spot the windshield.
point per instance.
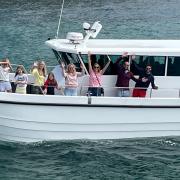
(68, 58)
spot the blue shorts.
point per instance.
(70, 91)
(123, 93)
(5, 86)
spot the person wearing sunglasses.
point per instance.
(95, 78)
(123, 75)
(145, 79)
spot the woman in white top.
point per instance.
(71, 79)
(5, 85)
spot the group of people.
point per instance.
(21, 78)
(43, 85)
(124, 75)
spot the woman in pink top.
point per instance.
(95, 78)
(71, 79)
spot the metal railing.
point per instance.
(113, 91)
(14, 66)
(150, 92)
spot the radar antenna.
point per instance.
(60, 16)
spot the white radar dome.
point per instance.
(75, 37)
(86, 26)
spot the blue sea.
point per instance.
(24, 27)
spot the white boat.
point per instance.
(31, 118)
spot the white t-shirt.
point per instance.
(22, 78)
(4, 73)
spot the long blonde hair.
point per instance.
(71, 65)
(44, 70)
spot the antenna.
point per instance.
(60, 16)
(91, 31)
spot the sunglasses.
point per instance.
(96, 67)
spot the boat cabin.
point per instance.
(162, 55)
(37, 118)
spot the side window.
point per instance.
(173, 66)
(157, 63)
(56, 55)
(68, 58)
(101, 60)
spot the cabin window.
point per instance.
(101, 60)
(157, 63)
(173, 66)
(68, 58)
(56, 55)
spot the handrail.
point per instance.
(16, 65)
(83, 91)
(149, 91)
(135, 88)
(115, 87)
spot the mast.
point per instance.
(60, 17)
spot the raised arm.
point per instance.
(106, 66)
(63, 69)
(7, 62)
(135, 66)
(3, 62)
(118, 60)
(79, 74)
(89, 61)
(121, 57)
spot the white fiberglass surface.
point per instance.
(109, 46)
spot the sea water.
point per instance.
(147, 158)
(24, 27)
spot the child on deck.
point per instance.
(50, 84)
(21, 80)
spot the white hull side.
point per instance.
(30, 123)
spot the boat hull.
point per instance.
(37, 121)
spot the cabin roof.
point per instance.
(118, 46)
